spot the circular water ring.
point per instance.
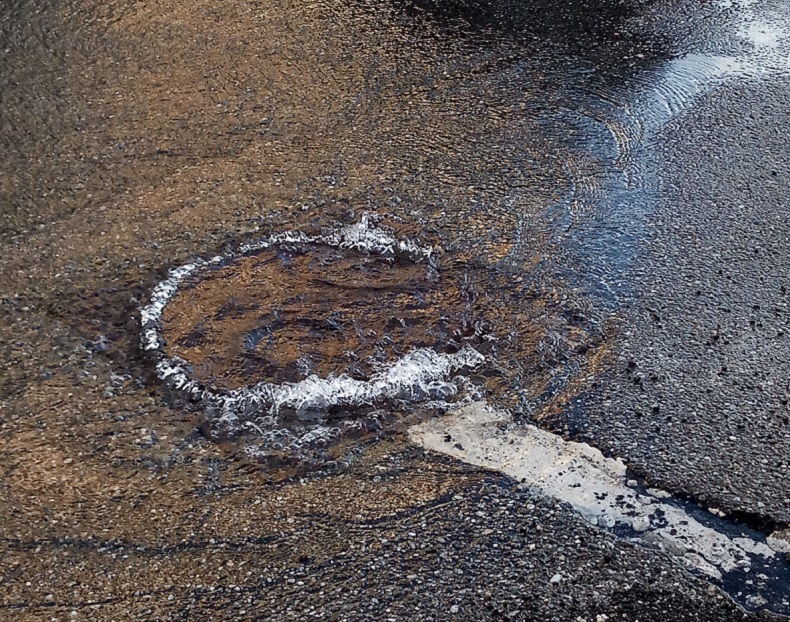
(415, 371)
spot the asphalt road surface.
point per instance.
(607, 182)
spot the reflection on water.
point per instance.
(515, 135)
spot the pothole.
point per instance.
(286, 313)
(301, 344)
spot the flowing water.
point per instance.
(514, 139)
(523, 140)
(374, 211)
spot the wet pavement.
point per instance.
(697, 397)
(607, 184)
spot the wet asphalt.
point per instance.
(114, 507)
(492, 552)
(697, 398)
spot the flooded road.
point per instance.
(536, 147)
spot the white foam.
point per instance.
(362, 236)
(420, 375)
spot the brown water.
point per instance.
(137, 135)
(144, 135)
(298, 309)
(279, 316)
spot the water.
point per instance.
(616, 210)
(519, 142)
(235, 301)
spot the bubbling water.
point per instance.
(301, 339)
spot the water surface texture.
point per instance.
(523, 140)
(524, 137)
(534, 276)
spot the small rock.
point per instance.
(779, 541)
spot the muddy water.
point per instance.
(140, 136)
(326, 327)
(518, 143)
(279, 317)
(220, 121)
(543, 267)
